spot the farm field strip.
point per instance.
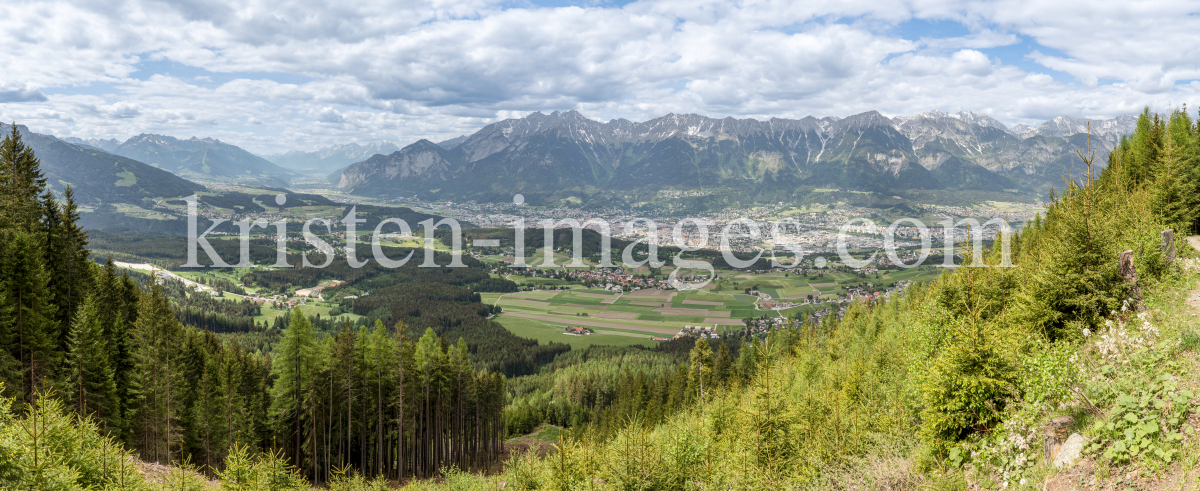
(591, 323)
(664, 317)
(663, 312)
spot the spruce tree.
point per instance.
(345, 372)
(723, 364)
(209, 413)
(51, 232)
(71, 266)
(115, 322)
(156, 345)
(23, 181)
(34, 331)
(1144, 146)
(107, 289)
(89, 388)
(1173, 191)
(295, 361)
(700, 378)
(429, 359)
(10, 367)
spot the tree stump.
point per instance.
(1055, 434)
(1129, 272)
(1168, 245)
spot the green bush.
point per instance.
(245, 472)
(47, 447)
(968, 389)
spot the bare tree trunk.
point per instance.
(379, 410)
(349, 411)
(400, 417)
(168, 415)
(297, 411)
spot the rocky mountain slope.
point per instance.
(566, 151)
(108, 145)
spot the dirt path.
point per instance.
(155, 270)
(1193, 298)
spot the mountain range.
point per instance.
(333, 158)
(195, 158)
(99, 176)
(565, 152)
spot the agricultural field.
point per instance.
(311, 309)
(136, 211)
(797, 287)
(535, 259)
(618, 319)
(623, 319)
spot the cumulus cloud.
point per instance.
(21, 95)
(281, 75)
(327, 115)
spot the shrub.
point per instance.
(49, 448)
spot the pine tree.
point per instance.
(70, 267)
(156, 345)
(429, 360)
(10, 368)
(51, 234)
(296, 360)
(700, 372)
(723, 365)
(34, 332)
(209, 413)
(22, 179)
(90, 388)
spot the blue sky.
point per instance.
(277, 76)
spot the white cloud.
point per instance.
(277, 75)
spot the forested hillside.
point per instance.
(97, 176)
(96, 367)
